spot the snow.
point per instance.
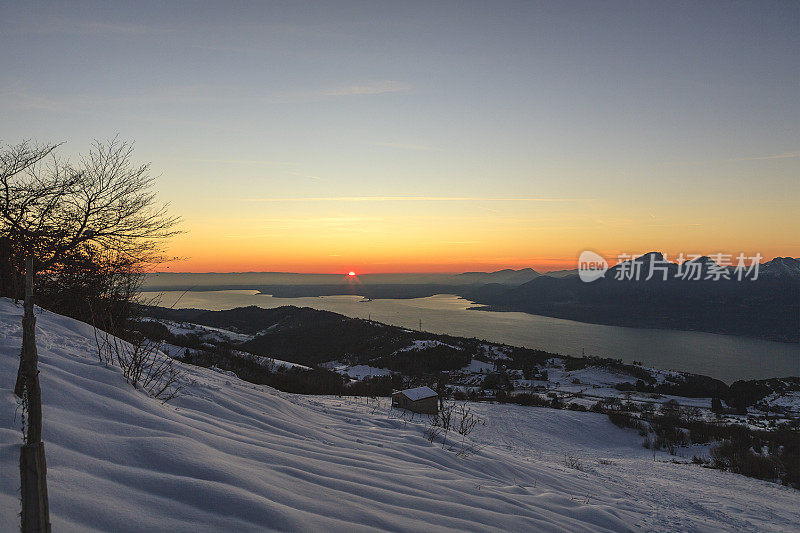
(418, 393)
(205, 333)
(228, 455)
(789, 400)
(359, 371)
(221, 371)
(418, 345)
(592, 376)
(478, 367)
(618, 471)
(495, 352)
(270, 362)
(588, 385)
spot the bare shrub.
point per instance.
(432, 432)
(572, 462)
(453, 416)
(440, 423)
(466, 420)
(142, 364)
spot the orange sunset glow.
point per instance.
(426, 236)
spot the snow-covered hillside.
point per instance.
(232, 456)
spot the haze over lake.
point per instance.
(724, 357)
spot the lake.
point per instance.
(724, 357)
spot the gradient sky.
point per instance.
(377, 137)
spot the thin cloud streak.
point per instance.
(403, 146)
(106, 28)
(786, 155)
(362, 89)
(379, 87)
(16, 98)
(87, 28)
(24, 101)
(411, 199)
(263, 162)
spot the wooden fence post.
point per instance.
(32, 465)
(33, 477)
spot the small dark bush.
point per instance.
(738, 457)
(598, 407)
(622, 420)
(528, 399)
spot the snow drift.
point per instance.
(230, 455)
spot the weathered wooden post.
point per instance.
(32, 465)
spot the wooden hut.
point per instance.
(418, 400)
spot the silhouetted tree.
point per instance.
(89, 228)
(92, 227)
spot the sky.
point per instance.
(428, 137)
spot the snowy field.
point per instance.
(232, 456)
(204, 333)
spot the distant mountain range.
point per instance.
(768, 307)
(780, 266)
(503, 277)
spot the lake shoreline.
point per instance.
(725, 357)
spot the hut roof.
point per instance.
(418, 393)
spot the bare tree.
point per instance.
(52, 212)
(54, 207)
